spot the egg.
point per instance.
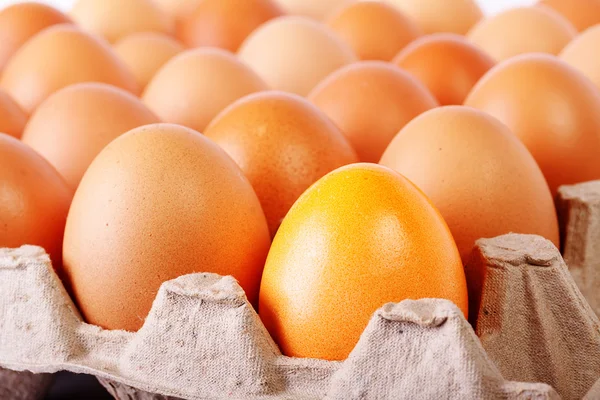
(552, 108)
(12, 117)
(362, 236)
(57, 57)
(375, 31)
(225, 23)
(294, 53)
(447, 64)
(34, 199)
(454, 16)
(317, 9)
(523, 30)
(193, 87)
(115, 19)
(371, 101)
(582, 54)
(145, 53)
(74, 124)
(177, 8)
(283, 144)
(582, 13)
(477, 173)
(19, 22)
(159, 202)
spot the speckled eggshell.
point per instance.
(194, 86)
(432, 16)
(293, 54)
(225, 23)
(582, 13)
(34, 200)
(552, 108)
(361, 237)
(159, 202)
(58, 57)
(145, 53)
(371, 101)
(74, 124)
(477, 173)
(375, 31)
(583, 55)
(19, 22)
(446, 63)
(522, 30)
(115, 19)
(12, 116)
(283, 144)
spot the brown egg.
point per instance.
(283, 144)
(116, 19)
(371, 101)
(74, 124)
(225, 23)
(193, 87)
(12, 117)
(60, 56)
(582, 54)
(159, 202)
(34, 199)
(177, 8)
(375, 31)
(582, 13)
(20, 22)
(145, 53)
(454, 16)
(293, 54)
(477, 173)
(552, 108)
(523, 30)
(446, 63)
(317, 9)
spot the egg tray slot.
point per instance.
(203, 340)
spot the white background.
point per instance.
(489, 6)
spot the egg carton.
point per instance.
(202, 340)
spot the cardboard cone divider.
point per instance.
(538, 337)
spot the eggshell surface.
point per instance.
(453, 16)
(177, 8)
(159, 202)
(582, 13)
(552, 108)
(523, 30)
(225, 23)
(317, 9)
(375, 31)
(447, 64)
(115, 19)
(145, 53)
(294, 53)
(12, 116)
(370, 101)
(477, 173)
(19, 22)
(360, 237)
(60, 56)
(194, 86)
(283, 144)
(74, 124)
(34, 200)
(582, 54)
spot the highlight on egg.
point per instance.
(360, 237)
(477, 173)
(159, 202)
(582, 54)
(283, 144)
(370, 101)
(552, 108)
(293, 53)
